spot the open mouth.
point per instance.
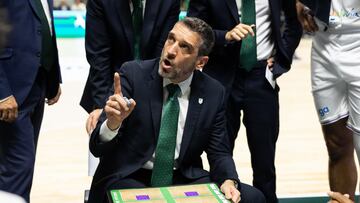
(167, 62)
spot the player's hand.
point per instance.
(230, 191)
(118, 107)
(306, 17)
(337, 197)
(8, 109)
(55, 99)
(92, 120)
(239, 32)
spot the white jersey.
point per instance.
(344, 15)
(335, 65)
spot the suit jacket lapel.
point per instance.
(233, 9)
(156, 99)
(124, 14)
(152, 9)
(196, 101)
(33, 6)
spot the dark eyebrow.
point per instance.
(191, 47)
(170, 34)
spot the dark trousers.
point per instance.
(142, 179)
(18, 141)
(252, 95)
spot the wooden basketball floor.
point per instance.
(61, 165)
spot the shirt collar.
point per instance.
(184, 85)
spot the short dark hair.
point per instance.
(204, 30)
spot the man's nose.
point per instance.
(172, 50)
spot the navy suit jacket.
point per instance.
(136, 141)
(20, 59)
(223, 16)
(320, 8)
(109, 41)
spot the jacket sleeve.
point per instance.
(5, 90)
(5, 53)
(200, 9)
(312, 4)
(222, 166)
(291, 35)
(293, 30)
(98, 52)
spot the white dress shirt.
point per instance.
(106, 134)
(345, 16)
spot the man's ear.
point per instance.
(201, 62)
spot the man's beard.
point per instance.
(169, 75)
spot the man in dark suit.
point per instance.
(267, 51)
(132, 140)
(29, 76)
(118, 31)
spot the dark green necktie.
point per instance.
(162, 173)
(47, 57)
(248, 55)
(137, 20)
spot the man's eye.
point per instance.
(170, 39)
(184, 46)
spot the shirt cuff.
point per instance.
(106, 134)
(2, 100)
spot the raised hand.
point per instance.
(118, 107)
(239, 32)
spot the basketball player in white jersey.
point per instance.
(335, 76)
